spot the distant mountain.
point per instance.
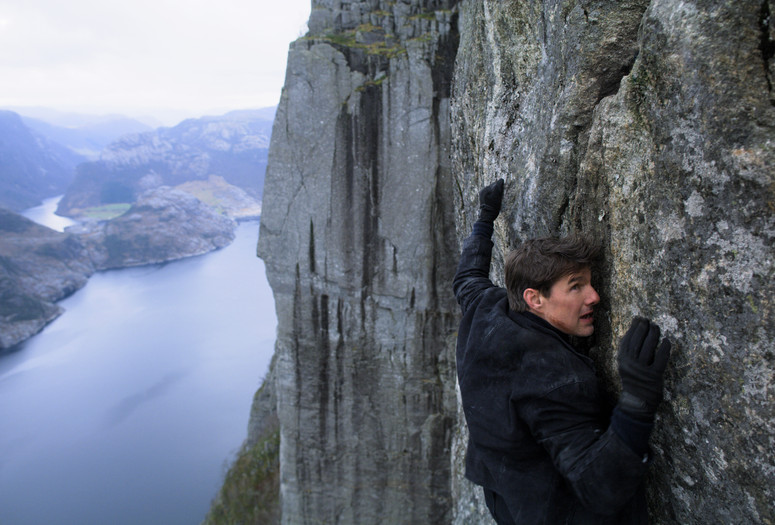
(233, 146)
(32, 167)
(70, 119)
(89, 137)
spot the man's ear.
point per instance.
(533, 298)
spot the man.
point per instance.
(541, 443)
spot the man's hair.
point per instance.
(539, 263)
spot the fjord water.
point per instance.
(44, 214)
(128, 408)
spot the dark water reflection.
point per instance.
(127, 408)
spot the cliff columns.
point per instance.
(647, 123)
(358, 237)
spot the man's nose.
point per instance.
(593, 298)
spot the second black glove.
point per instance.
(641, 367)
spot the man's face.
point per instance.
(569, 305)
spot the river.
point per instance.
(129, 407)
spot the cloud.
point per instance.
(147, 54)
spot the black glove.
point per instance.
(490, 199)
(641, 367)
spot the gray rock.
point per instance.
(355, 236)
(164, 225)
(38, 266)
(648, 124)
(230, 200)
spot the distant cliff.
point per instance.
(650, 124)
(163, 225)
(232, 146)
(84, 135)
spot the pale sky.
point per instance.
(146, 57)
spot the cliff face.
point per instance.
(650, 124)
(358, 238)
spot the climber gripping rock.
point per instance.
(541, 442)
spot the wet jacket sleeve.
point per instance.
(473, 272)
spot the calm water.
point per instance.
(44, 214)
(129, 407)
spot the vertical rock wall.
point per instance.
(358, 237)
(650, 124)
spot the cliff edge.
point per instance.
(357, 232)
(650, 124)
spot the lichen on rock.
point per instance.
(671, 167)
(646, 124)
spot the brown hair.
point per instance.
(539, 263)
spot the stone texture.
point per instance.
(652, 126)
(356, 233)
(647, 123)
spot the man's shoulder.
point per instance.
(491, 303)
(506, 331)
(539, 349)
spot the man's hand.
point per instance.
(490, 199)
(641, 367)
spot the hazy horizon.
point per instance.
(75, 119)
(148, 60)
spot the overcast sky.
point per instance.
(146, 57)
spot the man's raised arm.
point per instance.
(473, 272)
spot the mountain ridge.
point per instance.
(233, 146)
(32, 167)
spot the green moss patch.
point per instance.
(106, 211)
(251, 490)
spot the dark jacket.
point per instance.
(539, 435)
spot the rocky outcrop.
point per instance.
(164, 225)
(647, 123)
(38, 266)
(356, 234)
(225, 198)
(650, 124)
(233, 146)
